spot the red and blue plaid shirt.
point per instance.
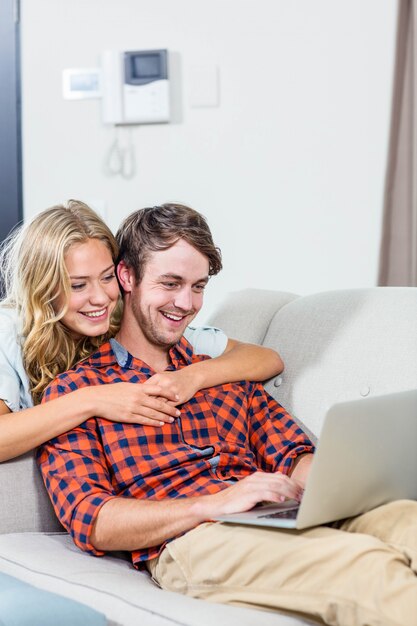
(224, 433)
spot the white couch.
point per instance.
(336, 346)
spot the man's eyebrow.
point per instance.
(204, 279)
(172, 276)
(102, 272)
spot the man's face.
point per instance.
(170, 293)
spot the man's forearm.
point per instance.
(301, 468)
(130, 524)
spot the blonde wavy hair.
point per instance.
(34, 274)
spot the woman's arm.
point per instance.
(254, 362)
(124, 402)
(239, 361)
(151, 403)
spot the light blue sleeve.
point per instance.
(13, 380)
(206, 340)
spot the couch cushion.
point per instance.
(24, 605)
(111, 585)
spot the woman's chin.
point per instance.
(96, 332)
(87, 330)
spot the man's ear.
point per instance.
(126, 277)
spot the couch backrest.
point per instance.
(246, 315)
(25, 505)
(336, 346)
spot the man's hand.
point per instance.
(247, 493)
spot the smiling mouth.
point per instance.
(94, 314)
(172, 317)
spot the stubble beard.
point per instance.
(150, 331)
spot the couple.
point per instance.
(124, 486)
(64, 310)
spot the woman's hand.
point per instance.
(149, 404)
(183, 383)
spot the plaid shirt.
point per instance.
(223, 433)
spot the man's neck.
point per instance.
(137, 345)
(132, 337)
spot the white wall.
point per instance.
(289, 168)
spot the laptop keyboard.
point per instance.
(288, 514)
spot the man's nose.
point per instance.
(184, 299)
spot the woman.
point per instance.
(49, 320)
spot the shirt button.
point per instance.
(278, 381)
(365, 391)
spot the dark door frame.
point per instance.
(11, 188)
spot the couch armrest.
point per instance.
(25, 505)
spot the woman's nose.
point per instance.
(98, 295)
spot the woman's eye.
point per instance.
(77, 286)
(109, 277)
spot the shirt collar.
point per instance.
(103, 357)
(120, 352)
(180, 354)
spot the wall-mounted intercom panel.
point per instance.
(135, 87)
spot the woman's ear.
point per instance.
(126, 277)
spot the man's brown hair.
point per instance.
(160, 227)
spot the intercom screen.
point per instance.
(146, 66)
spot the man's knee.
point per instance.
(387, 522)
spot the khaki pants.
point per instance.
(361, 573)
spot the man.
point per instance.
(129, 487)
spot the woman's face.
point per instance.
(94, 289)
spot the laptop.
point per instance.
(366, 456)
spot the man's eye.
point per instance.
(77, 286)
(199, 288)
(170, 285)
